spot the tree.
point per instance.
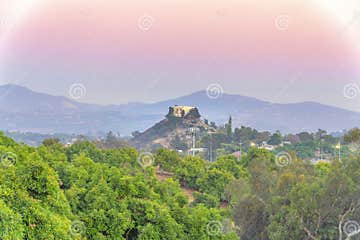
(229, 129)
(275, 139)
(52, 192)
(353, 136)
(168, 160)
(50, 141)
(189, 170)
(214, 181)
(11, 224)
(294, 139)
(320, 134)
(305, 137)
(229, 164)
(244, 134)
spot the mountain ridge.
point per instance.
(24, 109)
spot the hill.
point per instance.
(175, 129)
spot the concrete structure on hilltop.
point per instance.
(183, 112)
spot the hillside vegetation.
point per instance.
(84, 192)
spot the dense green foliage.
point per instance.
(271, 201)
(87, 192)
(83, 192)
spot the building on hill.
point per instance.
(183, 112)
(177, 131)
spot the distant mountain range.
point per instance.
(22, 109)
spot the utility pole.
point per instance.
(339, 148)
(193, 134)
(340, 151)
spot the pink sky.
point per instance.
(237, 44)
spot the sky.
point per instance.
(150, 50)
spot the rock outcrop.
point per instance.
(177, 125)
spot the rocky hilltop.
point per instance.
(174, 131)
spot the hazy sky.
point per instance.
(150, 50)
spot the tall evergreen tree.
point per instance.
(229, 128)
